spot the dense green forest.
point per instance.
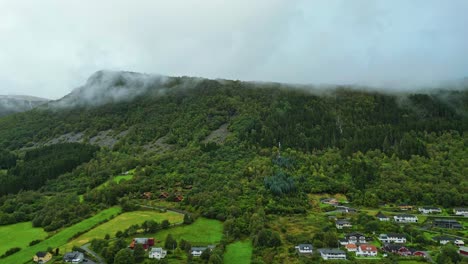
(281, 145)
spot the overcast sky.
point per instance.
(49, 47)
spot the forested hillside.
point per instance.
(280, 145)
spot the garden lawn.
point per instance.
(61, 237)
(19, 235)
(122, 222)
(202, 232)
(239, 252)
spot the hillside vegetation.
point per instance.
(279, 146)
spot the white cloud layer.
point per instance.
(48, 47)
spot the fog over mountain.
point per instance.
(18, 103)
(51, 46)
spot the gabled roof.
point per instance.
(157, 250)
(343, 221)
(198, 248)
(331, 251)
(380, 215)
(396, 235)
(406, 216)
(41, 254)
(367, 247)
(356, 234)
(305, 246)
(351, 246)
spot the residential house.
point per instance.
(405, 207)
(459, 243)
(444, 239)
(447, 223)
(382, 217)
(157, 253)
(345, 209)
(392, 238)
(42, 257)
(351, 247)
(163, 195)
(146, 242)
(74, 257)
(332, 253)
(405, 218)
(146, 195)
(343, 223)
(330, 201)
(420, 254)
(397, 249)
(198, 251)
(304, 248)
(463, 251)
(366, 250)
(355, 238)
(178, 198)
(430, 210)
(461, 211)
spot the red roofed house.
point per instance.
(366, 250)
(351, 247)
(146, 242)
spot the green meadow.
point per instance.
(239, 252)
(122, 222)
(200, 233)
(19, 235)
(61, 237)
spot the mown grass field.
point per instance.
(19, 235)
(122, 222)
(239, 252)
(200, 233)
(117, 179)
(61, 237)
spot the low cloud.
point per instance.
(51, 46)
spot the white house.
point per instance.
(343, 223)
(382, 217)
(332, 253)
(405, 218)
(459, 243)
(351, 247)
(430, 210)
(366, 250)
(304, 248)
(157, 253)
(392, 238)
(197, 251)
(461, 211)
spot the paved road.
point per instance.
(99, 259)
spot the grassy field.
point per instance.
(19, 235)
(61, 237)
(201, 233)
(239, 252)
(117, 179)
(122, 222)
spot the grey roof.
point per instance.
(396, 235)
(158, 250)
(343, 221)
(405, 215)
(430, 208)
(438, 238)
(198, 248)
(305, 246)
(381, 215)
(73, 255)
(446, 221)
(41, 254)
(141, 240)
(331, 251)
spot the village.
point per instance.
(438, 227)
